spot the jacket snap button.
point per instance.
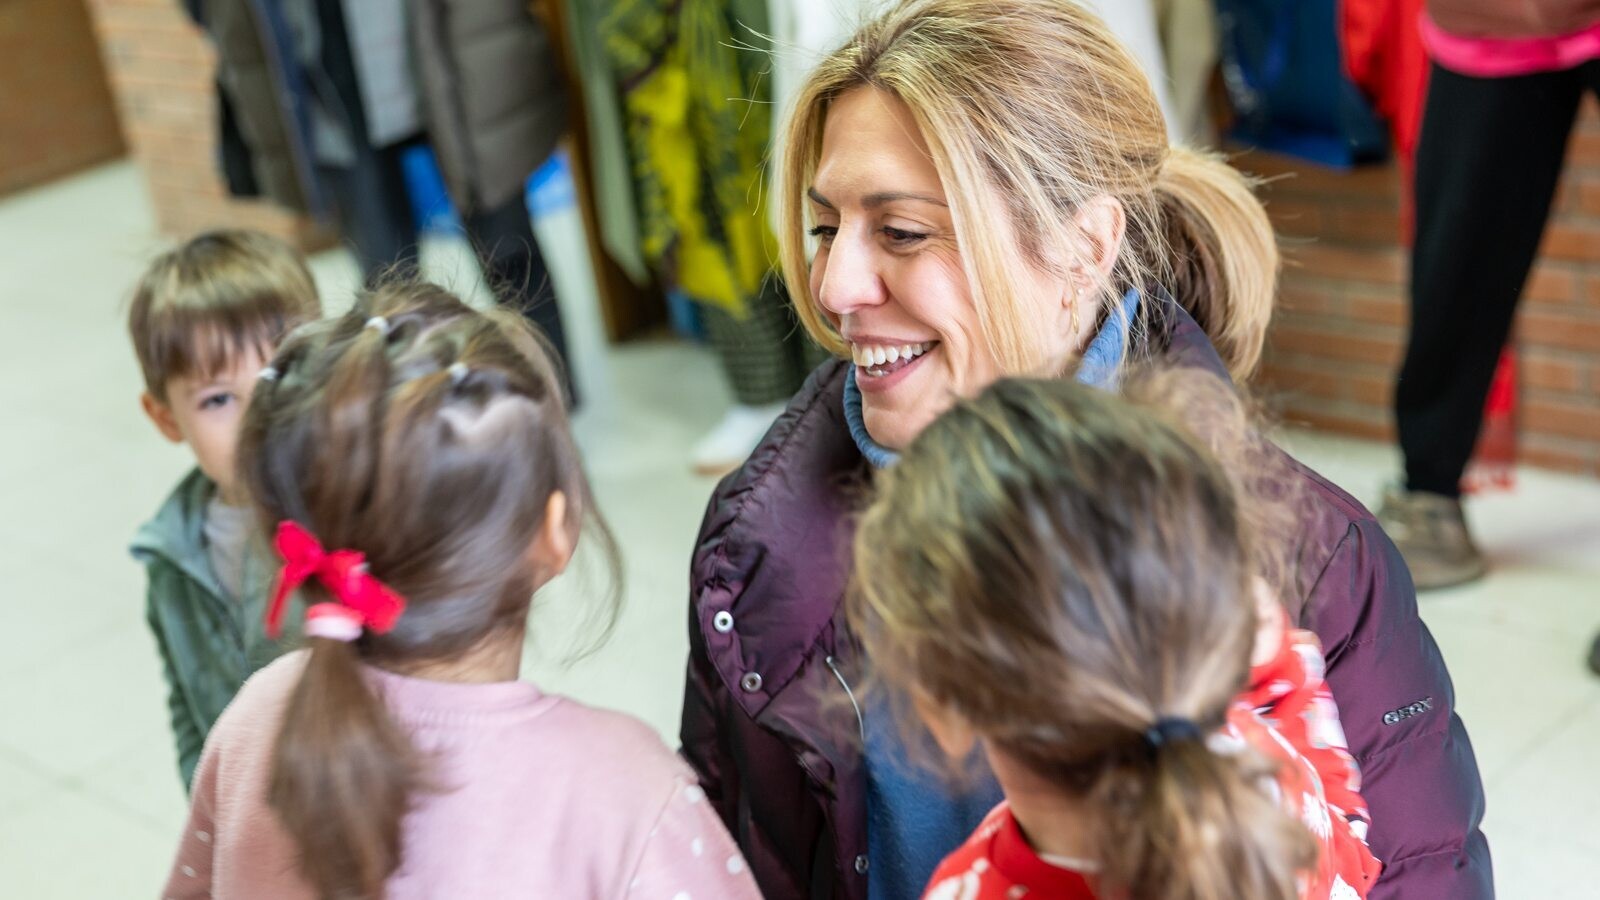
(861, 864)
(751, 682)
(722, 622)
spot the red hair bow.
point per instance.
(364, 602)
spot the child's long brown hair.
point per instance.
(430, 440)
(1061, 569)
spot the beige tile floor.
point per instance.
(90, 804)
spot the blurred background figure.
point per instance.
(1502, 97)
(322, 102)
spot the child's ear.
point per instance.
(552, 549)
(161, 414)
(952, 733)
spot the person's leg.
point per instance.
(1487, 164)
(1591, 78)
(373, 207)
(506, 247)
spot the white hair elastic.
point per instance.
(458, 373)
(333, 622)
(268, 374)
(378, 322)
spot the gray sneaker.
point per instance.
(1432, 535)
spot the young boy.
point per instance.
(205, 318)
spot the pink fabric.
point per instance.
(544, 797)
(1482, 57)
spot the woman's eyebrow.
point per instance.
(878, 199)
(874, 200)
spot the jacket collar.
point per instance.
(176, 534)
(1183, 344)
(774, 548)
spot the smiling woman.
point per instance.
(887, 272)
(973, 190)
(1060, 241)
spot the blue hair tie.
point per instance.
(1170, 730)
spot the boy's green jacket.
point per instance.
(209, 642)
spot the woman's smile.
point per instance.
(880, 369)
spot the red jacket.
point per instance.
(769, 719)
(1286, 715)
(1383, 53)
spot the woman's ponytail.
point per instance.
(342, 776)
(1192, 823)
(1224, 256)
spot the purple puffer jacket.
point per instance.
(769, 717)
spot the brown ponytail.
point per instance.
(1061, 569)
(430, 437)
(1193, 824)
(342, 778)
(1224, 266)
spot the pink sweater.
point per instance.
(550, 799)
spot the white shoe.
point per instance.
(728, 445)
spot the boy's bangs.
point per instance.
(204, 343)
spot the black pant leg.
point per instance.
(515, 270)
(373, 207)
(1487, 164)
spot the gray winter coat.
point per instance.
(493, 101)
(491, 93)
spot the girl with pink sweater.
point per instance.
(414, 461)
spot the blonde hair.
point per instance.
(1030, 108)
(1062, 569)
(211, 297)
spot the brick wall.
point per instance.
(1338, 336)
(56, 115)
(161, 69)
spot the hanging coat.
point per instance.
(492, 95)
(265, 116)
(493, 101)
(696, 104)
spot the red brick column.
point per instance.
(161, 69)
